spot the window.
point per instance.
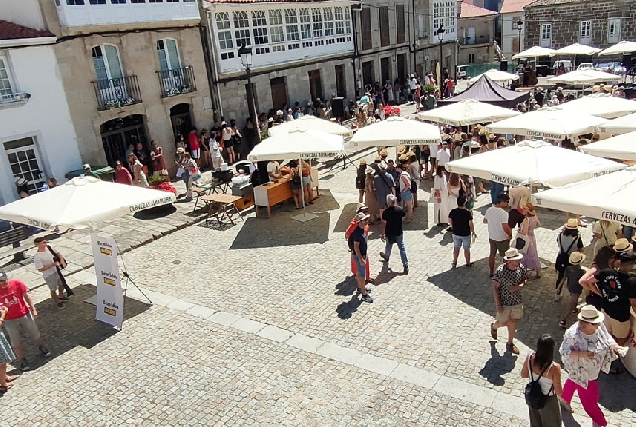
(365, 25)
(97, 1)
(155, 1)
(383, 18)
(75, 2)
(241, 28)
(224, 34)
(399, 23)
(471, 58)
(137, 1)
(168, 54)
(316, 15)
(6, 92)
(546, 35)
(106, 62)
(445, 13)
(339, 17)
(24, 161)
(276, 32)
(347, 13)
(328, 20)
(421, 28)
(119, 1)
(291, 28)
(514, 21)
(305, 26)
(259, 30)
(585, 32)
(614, 30)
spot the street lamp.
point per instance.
(440, 35)
(519, 26)
(246, 59)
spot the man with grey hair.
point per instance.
(392, 231)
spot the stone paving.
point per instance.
(256, 324)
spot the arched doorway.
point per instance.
(181, 121)
(118, 134)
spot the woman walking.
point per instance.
(440, 197)
(569, 241)
(139, 177)
(530, 222)
(540, 367)
(369, 195)
(414, 172)
(360, 178)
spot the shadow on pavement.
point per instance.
(75, 326)
(608, 386)
(156, 212)
(326, 202)
(346, 308)
(497, 366)
(347, 287)
(348, 212)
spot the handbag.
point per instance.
(521, 243)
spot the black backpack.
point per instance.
(533, 393)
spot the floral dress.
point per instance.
(531, 258)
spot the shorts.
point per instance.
(501, 246)
(196, 153)
(514, 312)
(25, 322)
(515, 218)
(407, 196)
(413, 186)
(425, 155)
(361, 267)
(619, 329)
(53, 282)
(461, 241)
(306, 180)
(229, 143)
(433, 161)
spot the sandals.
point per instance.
(454, 265)
(11, 378)
(5, 388)
(470, 264)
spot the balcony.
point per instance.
(83, 13)
(117, 93)
(474, 41)
(176, 82)
(13, 97)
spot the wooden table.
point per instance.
(272, 193)
(221, 206)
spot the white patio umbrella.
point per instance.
(496, 76)
(601, 105)
(396, 131)
(534, 52)
(467, 112)
(311, 123)
(549, 123)
(583, 77)
(620, 48)
(576, 49)
(621, 147)
(620, 125)
(82, 202)
(533, 162)
(608, 197)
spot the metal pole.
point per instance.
(251, 106)
(441, 71)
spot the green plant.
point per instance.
(155, 180)
(429, 88)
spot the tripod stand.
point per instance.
(346, 161)
(128, 278)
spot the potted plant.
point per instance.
(162, 183)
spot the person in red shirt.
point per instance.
(193, 144)
(19, 313)
(122, 175)
(352, 226)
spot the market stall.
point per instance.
(620, 125)
(621, 147)
(600, 105)
(395, 131)
(467, 112)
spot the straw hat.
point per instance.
(572, 224)
(576, 258)
(180, 150)
(361, 207)
(401, 149)
(623, 245)
(369, 171)
(512, 255)
(590, 314)
(410, 154)
(404, 158)
(383, 165)
(361, 216)
(363, 162)
(384, 152)
(378, 159)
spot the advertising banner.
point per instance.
(110, 298)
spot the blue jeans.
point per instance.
(496, 189)
(400, 243)
(628, 232)
(185, 176)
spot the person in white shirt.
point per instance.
(499, 232)
(273, 170)
(433, 149)
(427, 80)
(443, 155)
(47, 265)
(215, 152)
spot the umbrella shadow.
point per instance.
(155, 213)
(282, 230)
(347, 214)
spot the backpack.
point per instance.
(533, 393)
(563, 258)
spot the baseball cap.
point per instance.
(3, 276)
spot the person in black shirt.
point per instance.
(358, 245)
(460, 220)
(392, 231)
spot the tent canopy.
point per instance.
(534, 52)
(608, 197)
(466, 113)
(533, 162)
(601, 105)
(620, 48)
(549, 123)
(496, 76)
(311, 123)
(581, 77)
(621, 125)
(485, 90)
(395, 131)
(82, 202)
(577, 49)
(621, 147)
(298, 144)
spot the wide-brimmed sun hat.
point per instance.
(383, 165)
(512, 255)
(363, 162)
(378, 159)
(361, 207)
(622, 245)
(369, 171)
(384, 152)
(590, 314)
(362, 216)
(180, 150)
(572, 224)
(576, 258)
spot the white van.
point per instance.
(567, 64)
(585, 66)
(461, 72)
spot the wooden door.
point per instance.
(279, 93)
(385, 69)
(315, 85)
(401, 67)
(341, 81)
(367, 73)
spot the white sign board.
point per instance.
(110, 298)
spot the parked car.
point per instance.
(567, 64)
(461, 72)
(585, 66)
(611, 67)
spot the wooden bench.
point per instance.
(12, 236)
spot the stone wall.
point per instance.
(566, 18)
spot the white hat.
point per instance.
(590, 314)
(512, 255)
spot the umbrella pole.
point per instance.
(302, 187)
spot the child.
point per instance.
(572, 275)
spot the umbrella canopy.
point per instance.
(582, 77)
(311, 123)
(576, 49)
(485, 90)
(467, 112)
(601, 105)
(496, 76)
(396, 131)
(533, 162)
(549, 123)
(534, 52)
(82, 202)
(619, 147)
(298, 144)
(608, 197)
(621, 125)
(620, 48)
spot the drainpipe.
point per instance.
(411, 35)
(210, 62)
(356, 53)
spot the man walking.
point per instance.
(461, 221)
(358, 245)
(20, 314)
(507, 283)
(499, 232)
(392, 231)
(47, 265)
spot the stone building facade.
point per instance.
(476, 35)
(598, 23)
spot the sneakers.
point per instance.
(44, 351)
(384, 257)
(60, 306)
(23, 365)
(64, 299)
(406, 271)
(367, 298)
(511, 347)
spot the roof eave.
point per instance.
(32, 41)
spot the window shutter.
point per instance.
(173, 54)
(114, 66)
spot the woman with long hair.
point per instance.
(455, 186)
(540, 367)
(531, 221)
(440, 197)
(360, 178)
